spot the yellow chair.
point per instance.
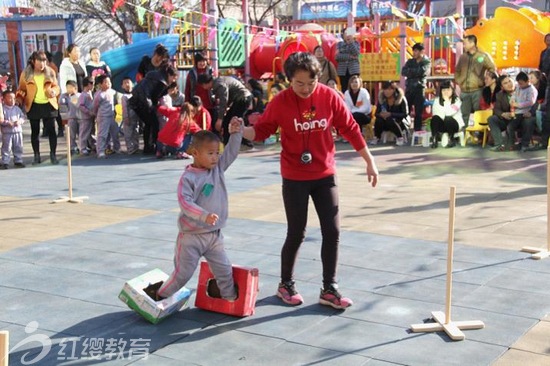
(480, 125)
(118, 115)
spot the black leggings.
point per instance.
(324, 193)
(440, 126)
(49, 130)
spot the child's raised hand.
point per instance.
(235, 125)
(212, 219)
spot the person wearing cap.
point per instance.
(347, 57)
(416, 70)
(192, 88)
(470, 75)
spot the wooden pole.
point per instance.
(69, 165)
(443, 319)
(450, 244)
(4, 347)
(70, 199)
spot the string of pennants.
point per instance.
(176, 16)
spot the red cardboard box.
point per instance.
(246, 280)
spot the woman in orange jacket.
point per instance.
(37, 94)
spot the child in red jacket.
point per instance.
(175, 136)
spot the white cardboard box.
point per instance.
(132, 294)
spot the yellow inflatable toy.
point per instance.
(513, 38)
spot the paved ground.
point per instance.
(64, 264)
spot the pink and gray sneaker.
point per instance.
(331, 297)
(287, 292)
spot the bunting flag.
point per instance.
(212, 34)
(140, 14)
(238, 27)
(117, 4)
(397, 12)
(156, 20)
(168, 6)
(419, 21)
(186, 26)
(173, 23)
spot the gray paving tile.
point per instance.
(154, 360)
(101, 262)
(505, 301)
(238, 347)
(59, 314)
(351, 336)
(425, 289)
(435, 349)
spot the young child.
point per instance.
(177, 97)
(202, 116)
(202, 197)
(68, 109)
(12, 131)
(104, 109)
(176, 135)
(130, 120)
(164, 101)
(86, 117)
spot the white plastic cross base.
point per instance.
(70, 199)
(422, 136)
(453, 329)
(538, 253)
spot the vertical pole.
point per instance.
(4, 347)
(460, 30)
(69, 167)
(450, 255)
(482, 9)
(213, 43)
(204, 121)
(548, 200)
(246, 21)
(402, 48)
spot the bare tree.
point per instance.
(126, 17)
(258, 10)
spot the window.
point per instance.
(471, 13)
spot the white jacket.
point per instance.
(67, 72)
(448, 110)
(363, 104)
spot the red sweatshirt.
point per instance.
(173, 133)
(305, 124)
(202, 115)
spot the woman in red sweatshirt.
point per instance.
(311, 110)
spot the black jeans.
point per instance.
(237, 109)
(324, 193)
(415, 97)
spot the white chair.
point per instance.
(422, 136)
(459, 135)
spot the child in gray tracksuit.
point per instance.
(130, 120)
(86, 117)
(68, 109)
(202, 196)
(104, 109)
(12, 131)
